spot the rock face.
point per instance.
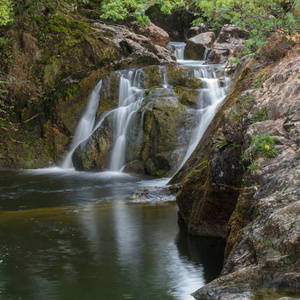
(229, 44)
(196, 46)
(262, 251)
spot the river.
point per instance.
(76, 235)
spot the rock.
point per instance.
(230, 43)
(196, 30)
(135, 167)
(156, 34)
(262, 252)
(153, 194)
(95, 154)
(196, 46)
(167, 126)
(137, 49)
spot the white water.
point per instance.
(178, 50)
(85, 125)
(211, 95)
(130, 98)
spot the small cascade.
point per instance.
(164, 81)
(178, 50)
(211, 97)
(206, 53)
(130, 98)
(85, 125)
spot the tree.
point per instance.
(121, 9)
(262, 18)
(5, 12)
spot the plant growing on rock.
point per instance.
(263, 146)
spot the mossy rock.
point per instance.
(95, 154)
(187, 96)
(164, 117)
(152, 76)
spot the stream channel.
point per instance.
(76, 235)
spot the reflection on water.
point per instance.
(76, 236)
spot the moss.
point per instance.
(152, 76)
(174, 74)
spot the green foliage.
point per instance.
(253, 168)
(257, 82)
(259, 115)
(235, 60)
(263, 146)
(121, 9)
(6, 12)
(260, 17)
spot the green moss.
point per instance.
(152, 76)
(187, 96)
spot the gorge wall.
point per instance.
(242, 182)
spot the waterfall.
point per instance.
(211, 97)
(178, 50)
(164, 80)
(85, 125)
(130, 98)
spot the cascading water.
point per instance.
(178, 50)
(85, 125)
(130, 98)
(210, 97)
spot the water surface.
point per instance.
(75, 235)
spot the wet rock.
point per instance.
(154, 194)
(135, 167)
(94, 154)
(167, 126)
(196, 46)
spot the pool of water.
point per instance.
(76, 235)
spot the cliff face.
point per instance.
(248, 166)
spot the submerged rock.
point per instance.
(154, 194)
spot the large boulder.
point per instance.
(229, 44)
(196, 46)
(196, 30)
(166, 130)
(157, 35)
